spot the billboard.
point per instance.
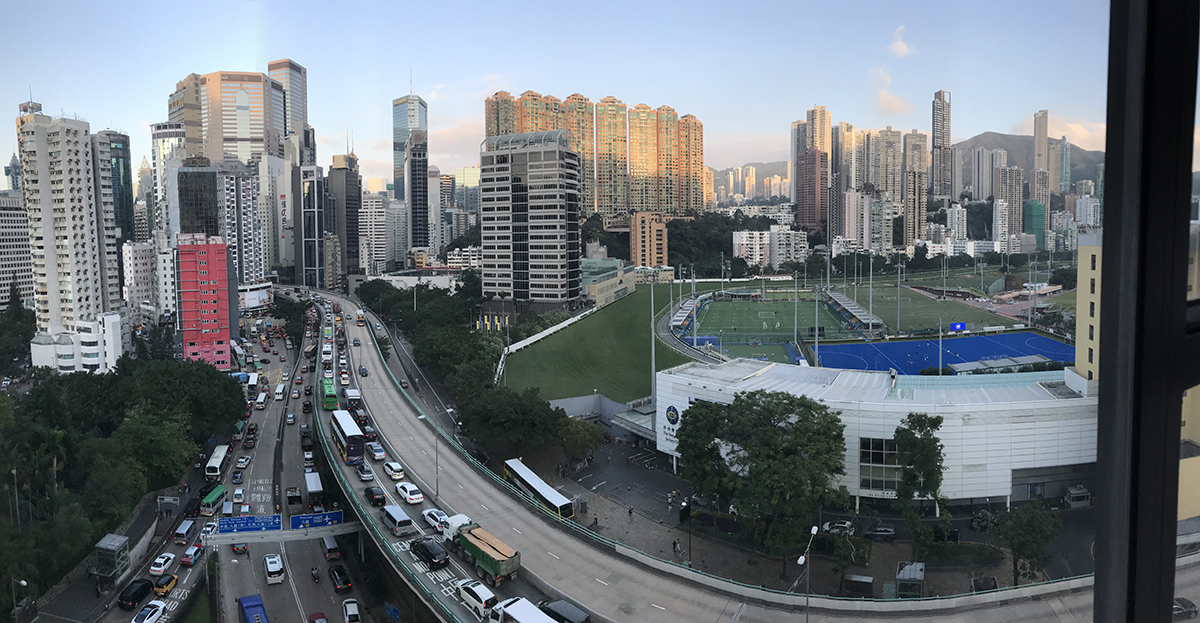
(255, 296)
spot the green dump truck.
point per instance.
(494, 561)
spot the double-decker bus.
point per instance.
(316, 493)
(360, 318)
(252, 609)
(329, 397)
(211, 504)
(217, 463)
(532, 485)
(348, 437)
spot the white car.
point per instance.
(239, 495)
(376, 450)
(476, 596)
(394, 471)
(274, 566)
(364, 472)
(840, 526)
(328, 373)
(209, 528)
(434, 516)
(243, 462)
(151, 612)
(162, 563)
(410, 492)
(350, 611)
(286, 377)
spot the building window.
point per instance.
(1093, 285)
(1089, 361)
(877, 467)
(1091, 332)
(1093, 261)
(1092, 309)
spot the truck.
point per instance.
(258, 328)
(518, 610)
(354, 400)
(268, 324)
(494, 561)
(337, 308)
(295, 502)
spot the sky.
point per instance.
(746, 69)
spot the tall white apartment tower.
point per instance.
(940, 178)
(373, 249)
(74, 266)
(820, 134)
(796, 147)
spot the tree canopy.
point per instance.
(1026, 531)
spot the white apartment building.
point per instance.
(1087, 211)
(1000, 225)
(94, 346)
(787, 245)
(752, 246)
(167, 143)
(396, 225)
(164, 277)
(956, 222)
(15, 264)
(75, 276)
(467, 257)
(138, 260)
(373, 243)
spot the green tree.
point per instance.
(385, 346)
(741, 449)
(1026, 531)
(164, 431)
(579, 437)
(1067, 277)
(921, 458)
(502, 417)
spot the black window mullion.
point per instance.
(1151, 115)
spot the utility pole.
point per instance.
(871, 297)
(796, 310)
(652, 332)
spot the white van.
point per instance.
(261, 402)
(308, 458)
(227, 509)
(397, 521)
(185, 532)
(280, 391)
(330, 546)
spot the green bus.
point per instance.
(329, 395)
(211, 504)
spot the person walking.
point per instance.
(631, 511)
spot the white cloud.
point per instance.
(880, 78)
(892, 104)
(899, 48)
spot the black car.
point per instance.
(249, 441)
(193, 508)
(252, 429)
(237, 478)
(362, 370)
(431, 552)
(341, 579)
(134, 593)
(264, 360)
(375, 496)
(563, 611)
(885, 532)
(308, 390)
(206, 489)
(369, 434)
(307, 408)
(1183, 609)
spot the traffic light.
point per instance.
(685, 512)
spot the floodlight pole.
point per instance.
(796, 310)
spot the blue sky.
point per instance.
(746, 69)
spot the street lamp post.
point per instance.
(15, 582)
(808, 573)
(16, 499)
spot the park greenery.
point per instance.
(736, 453)
(17, 327)
(293, 315)
(1026, 530)
(87, 447)
(441, 328)
(922, 461)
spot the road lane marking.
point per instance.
(486, 508)
(599, 485)
(517, 531)
(658, 606)
(425, 453)
(555, 557)
(461, 487)
(601, 581)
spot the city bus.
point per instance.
(252, 609)
(329, 397)
(217, 463)
(528, 482)
(360, 318)
(316, 493)
(252, 383)
(211, 504)
(328, 333)
(348, 437)
(310, 352)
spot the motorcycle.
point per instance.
(316, 576)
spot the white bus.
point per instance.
(217, 463)
(261, 402)
(280, 390)
(252, 383)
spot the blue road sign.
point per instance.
(250, 523)
(300, 522)
(392, 611)
(958, 326)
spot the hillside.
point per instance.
(1020, 153)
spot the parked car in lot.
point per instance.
(883, 532)
(410, 492)
(838, 526)
(162, 563)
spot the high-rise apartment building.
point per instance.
(168, 141)
(531, 244)
(695, 180)
(1087, 321)
(74, 270)
(373, 244)
(333, 269)
(500, 114)
(891, 158)
(983, 163)
(866, 155)
(844, 157)
(648, 239)
(752, 246)
(538, 113)
(749, 182)
(346, 187)
(183, 108)
(915, 183)
(956, 173)
(1039, 190)
(409, 114)
(293, 77)
(796, 146)
(669, 155)
(710, 201)
(206, 307)
(812, 189)
(579, 117)
(1041, 146)
(1000, 231)
(1054, 158)
(818, 134)
(1064, 165)
(612, 160)
(448, 201)
(941, 183)
(1008, 185)
(421, 228)
(221, 200)
(15, 265)
(138, 263)
(956, 222)
(113, 171)
(643, 159)
(786, 245)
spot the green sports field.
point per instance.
(608, 352)
(771, 322)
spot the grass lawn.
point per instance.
(608, 352)
(1066, 300)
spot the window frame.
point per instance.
(1151, 341)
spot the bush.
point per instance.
(964, 554)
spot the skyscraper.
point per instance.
(221, 199)
(956, 173)
(579, 117)
(695, 179)
(667, 152)
(168, 141)
(240, 115)
(373, 244)
(643, 159)
(466, 188)
(866, 155)
(74, 271)
(112, 150)
(293, 77)
(500, 114)
(916, 185)
(409, 114)
(421, 229)
(844, 158)
(1008, 186)
(818, 134)
(1039, 189)
(554, 279)
(943, 161)
(1064, 166)
(144, 186)
(891, 156)
(1054, 158)
(956, 222)
(15, 264)
(1041, 147)
(309, 208)
(983, 163)
(183, 107)
(812, 189)
(345, 186)
(796, 146)
(612, 160)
